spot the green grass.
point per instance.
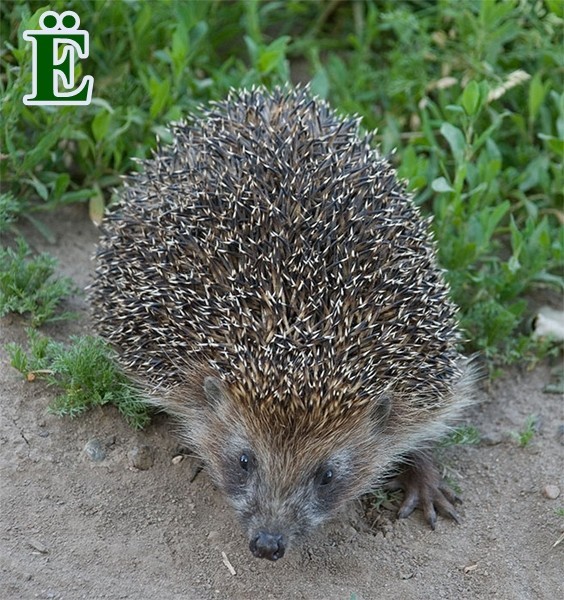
(381, 498)
(527, 433)
(9, 209)
(28, 286)
(468, 93)
(463, 435)
(85, 373)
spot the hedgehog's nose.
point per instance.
(268, 545)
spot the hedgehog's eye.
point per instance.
(326, 477)
(244, 461)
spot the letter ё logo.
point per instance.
(54, 47)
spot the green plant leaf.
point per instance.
(537, 93)
(471, 98)
(101, 125)
(456, 141)
(440, 184)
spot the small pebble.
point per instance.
(141, 457)
(551, 491)
(214, 537)
(38, 546)
(350, 532)
(491, 439)
(95, 450)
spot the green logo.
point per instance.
(55, 47)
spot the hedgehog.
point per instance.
(271, 284)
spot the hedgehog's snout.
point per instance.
(268, 545)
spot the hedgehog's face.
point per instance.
(279, 497)
(282, 485)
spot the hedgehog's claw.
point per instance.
(424, 489)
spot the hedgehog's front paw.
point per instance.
(424, 488)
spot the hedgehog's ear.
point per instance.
(381, 410)
(215, 391)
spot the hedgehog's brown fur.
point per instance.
(272, 251)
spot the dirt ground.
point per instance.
(72, 527)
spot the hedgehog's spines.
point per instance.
(274, 246)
